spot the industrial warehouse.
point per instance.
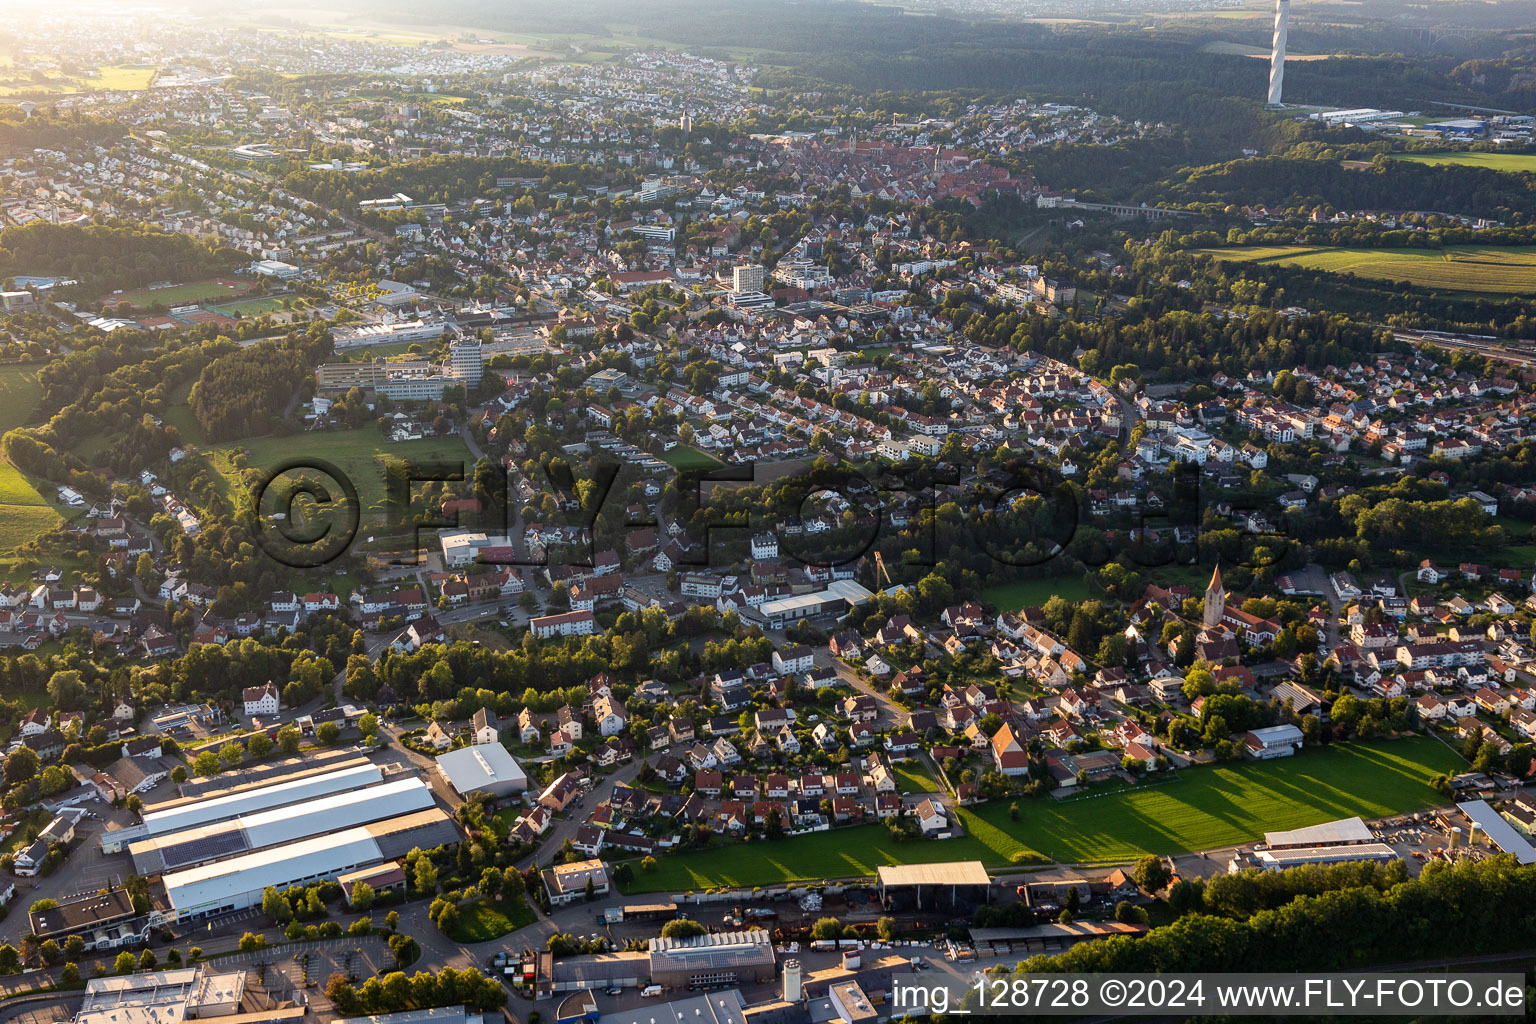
(180, 815)
(218, 851)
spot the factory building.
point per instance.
(181, 850)
(237, 883)
(716, 960)
(187, 814)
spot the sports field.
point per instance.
(1203, 809)
(182, 294)
(362, 455)
(1523, 163)
(690, 458)
(24, 512)
(250, 307)
(1465, 268)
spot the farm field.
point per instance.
(180, 294)
(1465, 268)
(361, 454)
(1206, 808)
(1522, 163)
(24, 512)
(1010, 597)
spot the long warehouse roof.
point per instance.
(285, 824)
(223, 883)
(223, 808)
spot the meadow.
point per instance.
(1010, 597)
(1203, 808)
(24, 512)
(362, 454)
(1464, 268)
(482, 920)
(1520, 163)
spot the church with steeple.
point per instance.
(1215, 600)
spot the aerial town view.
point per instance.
(791, 512)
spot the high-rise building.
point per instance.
(1277, 52)
(465, 361)
(748, 277)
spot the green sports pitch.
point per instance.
(182, 294)
(1205, 808)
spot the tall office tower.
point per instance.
(465, 361)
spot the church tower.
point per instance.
(1215, 600)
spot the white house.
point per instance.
(261, 700)
(610, 715)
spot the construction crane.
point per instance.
(880, 570)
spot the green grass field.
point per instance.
(1208, 807)
(690, 458)
(181, 294)
(483, 920)
(1010, 597)
(361, 454)
(24, 512)
(250, 307)
(1465, 268)
(1522, 163)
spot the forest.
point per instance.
(1474, 907)
(243, 393)
(1384, 185)
(103, 257)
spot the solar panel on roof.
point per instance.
(209, 847)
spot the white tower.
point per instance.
(1277, 52)
(793, 990)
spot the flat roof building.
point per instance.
(431, 1015)
(714, 960)
(1300, 856)
(162, 997)
(482, 768)
(726, 1007)
(103, 920)
(838, 597)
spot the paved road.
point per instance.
(566, 828)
